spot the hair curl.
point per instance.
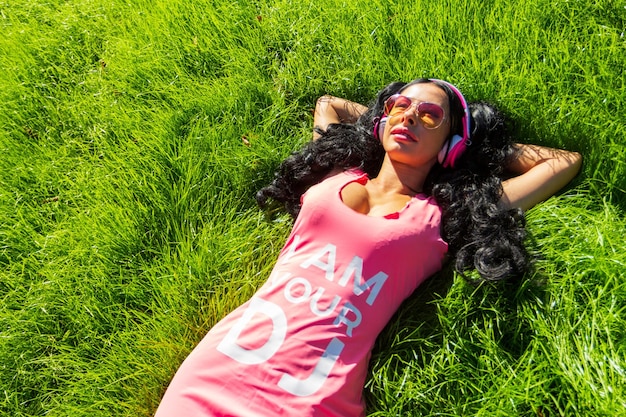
(480, 234)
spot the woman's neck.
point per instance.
(396, 178)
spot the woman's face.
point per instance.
(407, 137)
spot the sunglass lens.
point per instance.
(397, 104)
(431, 114)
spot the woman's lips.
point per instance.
(404, 132)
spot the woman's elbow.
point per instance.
(575, 161)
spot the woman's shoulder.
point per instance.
(351, 174)
(338, 179)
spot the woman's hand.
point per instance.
(539, 173)
(329, 109)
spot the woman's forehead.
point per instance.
(430, 92)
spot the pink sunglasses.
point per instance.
(430, 114)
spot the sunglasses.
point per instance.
(430, 114)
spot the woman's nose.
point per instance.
(409, 116)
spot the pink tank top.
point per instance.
(301, 345)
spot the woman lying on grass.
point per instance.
(382, 197)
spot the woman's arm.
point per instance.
(539, 173)
(329, 109)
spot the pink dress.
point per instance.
(301, 345)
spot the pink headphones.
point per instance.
(454, 147)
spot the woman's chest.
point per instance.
(366, 200)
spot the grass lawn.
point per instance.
(134, 135)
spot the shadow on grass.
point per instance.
(447, 332)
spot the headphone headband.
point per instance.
(455, 146)
(466, 113)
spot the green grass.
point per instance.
(128, 224)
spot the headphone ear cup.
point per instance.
(379, 128)
(451, 151)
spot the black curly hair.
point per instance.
(480, 234)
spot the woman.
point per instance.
(382, 196)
